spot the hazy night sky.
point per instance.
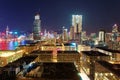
(97, 14)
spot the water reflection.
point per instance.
(11, 45)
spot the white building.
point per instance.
(102, 35)
(77, 24)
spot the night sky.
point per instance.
(97, 14)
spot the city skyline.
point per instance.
(47, 39)
(19, 15)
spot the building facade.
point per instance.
(65, 35)
(77, 24)
(71, 33)
(37, 27)
(102, 35)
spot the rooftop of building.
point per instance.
(70, 52)
(70, 44)
(31, 44)
(20, 61)
(52, 71)
(110, 50)
(48, 44)
(114, 68)
(41, 52)
(61, 70)
(58, 44)
(58, 52)
(28, 43)
(93, 53)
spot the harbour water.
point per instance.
(11, 45)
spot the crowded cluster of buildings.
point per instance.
(71, 55)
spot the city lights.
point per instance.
(6, 54)
(53, 45)
(83, 76)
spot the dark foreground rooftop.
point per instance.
(114, 68)
(93, 53)
(55, 71)
(61, 70)
(110, 50)
(20, 61)
(50, 52)
(41, 52)
(68, 52)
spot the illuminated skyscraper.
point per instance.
(102, 35)
(83, 35)
(115, 32)
(115, 28)
(65, 34)
(71, 33)
(37, 27)
(77, 24)
(7, 32)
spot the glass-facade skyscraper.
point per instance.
(37, 27)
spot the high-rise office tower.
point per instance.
(108, 37)
(71, 33)
(37, 27)
(115, 28)
(7, 32)
(65, 34)
(115, 32)
(102, 35)
(77, 24)
(83, 35)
